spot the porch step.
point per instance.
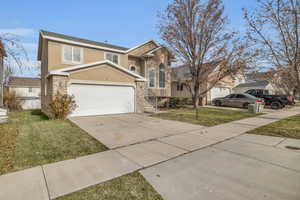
(149, 109)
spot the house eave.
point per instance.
(56, 39)
(68, 70)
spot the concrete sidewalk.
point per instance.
(231, 170)
(57, 179)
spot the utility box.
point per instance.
(258, 107)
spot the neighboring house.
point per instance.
(261, 80)
(104, 78)
(265, 85)
(28, 90)
(181, 77)
(2, 55)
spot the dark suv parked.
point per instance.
(275, 101)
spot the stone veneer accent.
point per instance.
(55, 84)
(140, 96)
(153, 63)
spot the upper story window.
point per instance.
(30, 90)
(151, 77)
(162, 76)
(133, 68)
(72, 54)
(115, 58)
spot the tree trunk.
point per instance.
(196, 101)
(196, 104)
(297, 93)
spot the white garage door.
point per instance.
(219, 92)
(102, 99)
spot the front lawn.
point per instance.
(30, 139)
(289, 128)
(207, 116)
(129, 187)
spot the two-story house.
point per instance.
(104, 78)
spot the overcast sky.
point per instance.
(125, 23)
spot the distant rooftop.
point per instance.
(253, 84)
(24, 82)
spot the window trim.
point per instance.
(119, 60)
(64, 61)
(132, 66)
(152, 69)
(164, 71)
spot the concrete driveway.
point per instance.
(122, 130)
(246, 167)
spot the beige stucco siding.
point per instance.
(143, 49)
(44, 71)
(55, 60)
(102, 73)
(137, 63)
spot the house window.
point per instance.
(112, 57)
(152, 78)
(72, 54)
(162, 76)
(133, 68)
(180, 86)
(30, 90)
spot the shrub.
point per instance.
(176, 102)
(61, 106)
(11, 100)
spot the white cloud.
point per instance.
(18, 31)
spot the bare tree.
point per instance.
(14, 49)
(196, 32)
(274, 29)
(15, 54)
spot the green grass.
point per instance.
(30, 139)
(207, 116)
(129, 187)
(289, 128)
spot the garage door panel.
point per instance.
(102, 99)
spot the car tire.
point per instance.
(218, 103)
(276, 105)
(245, 105)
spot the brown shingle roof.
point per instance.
(67, 37)
(24, 82)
